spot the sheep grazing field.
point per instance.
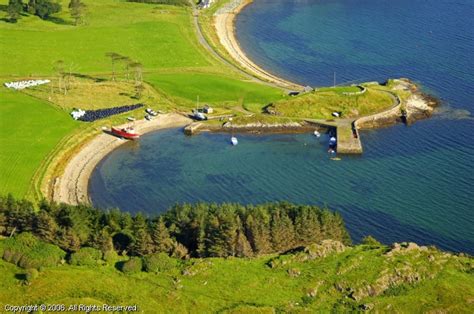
(161, 38)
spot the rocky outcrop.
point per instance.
(418, 106)
(325, 248)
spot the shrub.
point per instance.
(111, 257)
(31, 274)
(371, 241)
(86, 256)
(26, 251)
(133, 265)
(159, 262)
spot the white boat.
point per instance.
(199, 116)
(151, 112)
(317, 134)
(234, 140)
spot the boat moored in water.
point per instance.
(234, 140)
(317, 134)
(127, 133)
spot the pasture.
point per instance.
(31, 129)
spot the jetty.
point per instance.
(348, 139)
(192, 128)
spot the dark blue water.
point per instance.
(411, 184)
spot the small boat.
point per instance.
(317, 134)
(199, 116)
(335, 158)
(234, 140)
(127, 133)
(332, 143)
(151, 112)
(131, 119)
(148, 117)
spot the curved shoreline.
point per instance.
(225, 29)
(72, 186)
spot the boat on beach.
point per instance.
(127, 133)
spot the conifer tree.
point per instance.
(242, 246)
(68, 240)
(282, 231)
(103, 241)
(215, 245)
(179, 250)
(258, 234)
(143, 243)
(45, 227)
(161, 237)
(307, 227)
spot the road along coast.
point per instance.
(72, 186)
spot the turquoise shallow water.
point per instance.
(412, 183)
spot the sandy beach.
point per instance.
(225, 29)
(72, 186)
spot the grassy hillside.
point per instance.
(321, 103)
(323, 278)
(216, 89)
(157, 36)
(32, 128)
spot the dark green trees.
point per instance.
(43, 8)
(198, 230)
(14, 9)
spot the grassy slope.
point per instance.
(162, 38)
(247, 284)
(31, 128)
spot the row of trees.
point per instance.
(129, 65)
(44, 9)
(197, 230)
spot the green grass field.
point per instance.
(157, 36)
(410, 281)
(212, 88)
(31, 129)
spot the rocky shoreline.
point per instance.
(417, 107)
